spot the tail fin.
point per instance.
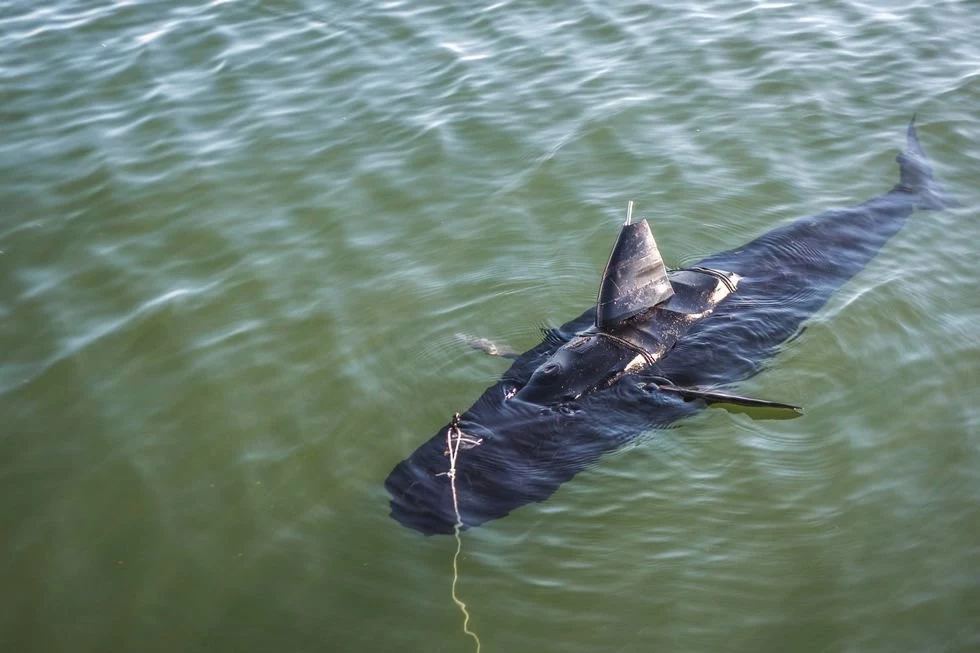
(916, 175)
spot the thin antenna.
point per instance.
(629, 212)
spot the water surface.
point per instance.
(237, 238)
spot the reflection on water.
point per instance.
(237, 241)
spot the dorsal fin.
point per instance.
(635, 277)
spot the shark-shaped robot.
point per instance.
(657, 346)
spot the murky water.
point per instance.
(236, 242)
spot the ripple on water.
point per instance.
(237, 242)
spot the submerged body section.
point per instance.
(593, 385)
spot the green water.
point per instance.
(237, 239)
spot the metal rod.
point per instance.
(629, 212)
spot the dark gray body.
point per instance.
(529, 448)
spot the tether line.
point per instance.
(454, 436)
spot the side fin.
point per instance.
(635, 277)
(486, 345)
(720, 397)
(916, 175)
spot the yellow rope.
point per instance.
(453, 449)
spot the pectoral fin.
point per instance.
(487, 346)
(712, 396)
